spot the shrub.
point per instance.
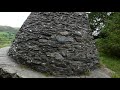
(110, 44)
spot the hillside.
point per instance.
(8, 29)
(7, 34)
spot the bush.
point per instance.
(110, 44)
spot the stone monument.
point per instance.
(56, 43)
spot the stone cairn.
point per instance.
(56, 43)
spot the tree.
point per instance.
(97, 22)
(98, 19)
(110, 44)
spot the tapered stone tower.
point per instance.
(56, 43)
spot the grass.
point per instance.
(6, 38)
(111, 63)
(4, 45)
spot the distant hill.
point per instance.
(8, 29)
(7, 35)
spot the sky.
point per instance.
(13, 19)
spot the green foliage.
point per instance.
(7, 34)
(110, 44)
(98, 19)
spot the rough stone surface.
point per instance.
(58, 43)
(10, 69)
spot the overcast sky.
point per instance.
(14, 19)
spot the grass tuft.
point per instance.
(111, 63)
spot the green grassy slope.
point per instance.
(7, 34)
(111, 63)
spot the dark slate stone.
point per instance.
(56, 43)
